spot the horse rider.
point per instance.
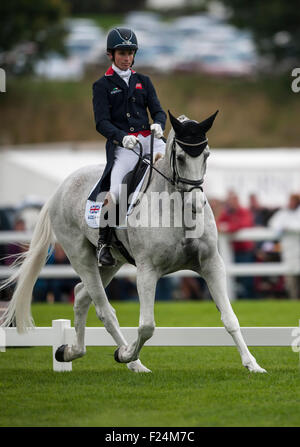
(120, 100)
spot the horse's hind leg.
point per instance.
(213, 271)
(81, 306)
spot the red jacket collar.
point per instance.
(110, 71)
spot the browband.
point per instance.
(190, 144)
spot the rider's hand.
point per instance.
(129, 141)
(158, 132)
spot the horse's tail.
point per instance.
(26, 269)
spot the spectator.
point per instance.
(233, 218)
(127, 289)
(288, 218)
(5, 222)
(55, 289)
(113, 290)
(269, 286)
(217, 207)
(259, 213)
(62, 287)
(42, 291)
(165, 289)
(193, 289)
(10, 252)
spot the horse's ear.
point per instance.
(177, 126)
(206, 124)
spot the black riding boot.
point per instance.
(104, 256)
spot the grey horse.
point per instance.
(168, 245)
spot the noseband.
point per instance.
(176, 179)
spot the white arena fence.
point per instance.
(61, 333)
(289, 265)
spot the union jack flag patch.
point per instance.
(94, 209)
(92, 213)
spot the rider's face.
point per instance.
(123, 58)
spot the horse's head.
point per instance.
(187, 150)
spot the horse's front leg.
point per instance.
(146, 285)
(213, 271)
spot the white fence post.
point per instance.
(2, 340)
(59, 339)
(290, 246)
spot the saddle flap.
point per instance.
(133, 178)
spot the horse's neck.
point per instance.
(159, 182)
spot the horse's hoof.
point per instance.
(116, 355)
(137, 367)
(59, 354)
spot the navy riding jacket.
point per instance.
(120, 110)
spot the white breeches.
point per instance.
(126, 159)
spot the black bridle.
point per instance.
(175, 180)
(176, 177)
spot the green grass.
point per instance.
(188, 387)
(250, 313)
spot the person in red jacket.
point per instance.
(234, 217)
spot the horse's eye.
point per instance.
(180, 158)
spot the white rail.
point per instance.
(289, 265)
(290, 254)
(61, 333)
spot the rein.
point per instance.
(149, 163)
(151, 159)
(176, 179)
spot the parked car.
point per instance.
(197, 43)
(55, 66)
(84, 45)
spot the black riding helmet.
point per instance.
(121, 39)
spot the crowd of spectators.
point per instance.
(45, 289)
(230, 217)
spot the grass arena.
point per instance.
(189, 386)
